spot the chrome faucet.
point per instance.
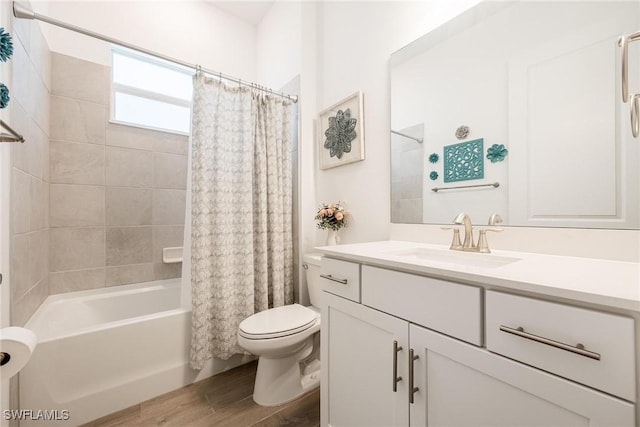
(467, 244)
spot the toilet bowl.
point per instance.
(286, 341)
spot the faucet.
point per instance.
(467, 244)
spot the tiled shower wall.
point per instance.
(407, 180)
(117, 191)
(29, 105)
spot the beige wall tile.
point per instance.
(77, 205)
(20, 75)
(36, 205)
(129, 168)
(77, 280)
(39, 101)
(126, 274)
(166, 271)
(166, 236)
(171, 143)
(129, 245)
(130, 137)
(23, 308)
(35, 147)
(20, 201)
(128, 206)
(38, 256)
(21, 121)
(77, 248)
(73, 163)
(40, 54)
(77, 79)
(170, 171)
(77, 121)
(168, 207)
(20, 269)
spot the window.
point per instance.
(149, 92)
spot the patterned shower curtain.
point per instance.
(241, 212)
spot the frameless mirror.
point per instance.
(515, 108)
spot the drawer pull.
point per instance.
(396, 378)
(334, 279)
(412, 389)
(578, 349)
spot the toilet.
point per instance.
(287, 340)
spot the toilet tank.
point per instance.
(312, 263)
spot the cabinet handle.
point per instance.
(334, 279)
(412, 389)
(577, 349)
(396, 378)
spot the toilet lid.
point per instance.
(278, 322)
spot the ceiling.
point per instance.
(249, 11)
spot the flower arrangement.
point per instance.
(331, 216)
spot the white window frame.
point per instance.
(154, 96)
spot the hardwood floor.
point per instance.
(222, 400)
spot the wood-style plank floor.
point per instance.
(222, 400)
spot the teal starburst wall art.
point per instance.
(464, 161)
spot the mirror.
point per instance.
(518, 106)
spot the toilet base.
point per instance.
(282, 380)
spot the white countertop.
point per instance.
(614, 284)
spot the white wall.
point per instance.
(356, 41)
(192, 31)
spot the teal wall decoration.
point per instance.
(433, 158)
(497, 153)
(4, 96)
(6, 45)
(433, 175)
(464, 161)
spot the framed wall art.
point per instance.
(341, 133)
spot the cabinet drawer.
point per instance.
(593, 348)
(341, 278)
(450, 308)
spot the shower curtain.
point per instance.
(241, 212)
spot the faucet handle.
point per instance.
(495, 219)
(483, 245)
(455, 241)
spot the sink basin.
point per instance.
(459, 258)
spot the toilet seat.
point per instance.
(278, 322)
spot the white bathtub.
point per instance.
(103, 350)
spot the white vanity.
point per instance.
(416, 334)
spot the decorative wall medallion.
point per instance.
(497, 153)
(464, 161)
(4, 96)
(462, 132)
(433, 158)
(341, 133)
(6, 45)
(433, 175)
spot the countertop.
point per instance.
(614, 284)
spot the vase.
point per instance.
(333, 238)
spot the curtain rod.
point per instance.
(23, 12)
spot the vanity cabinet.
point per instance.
(412, 353)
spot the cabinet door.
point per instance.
(358, 366)
(461, 385)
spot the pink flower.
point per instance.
(329, 211)
(339, 216)
(322, 212)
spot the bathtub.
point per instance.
(103, 350)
